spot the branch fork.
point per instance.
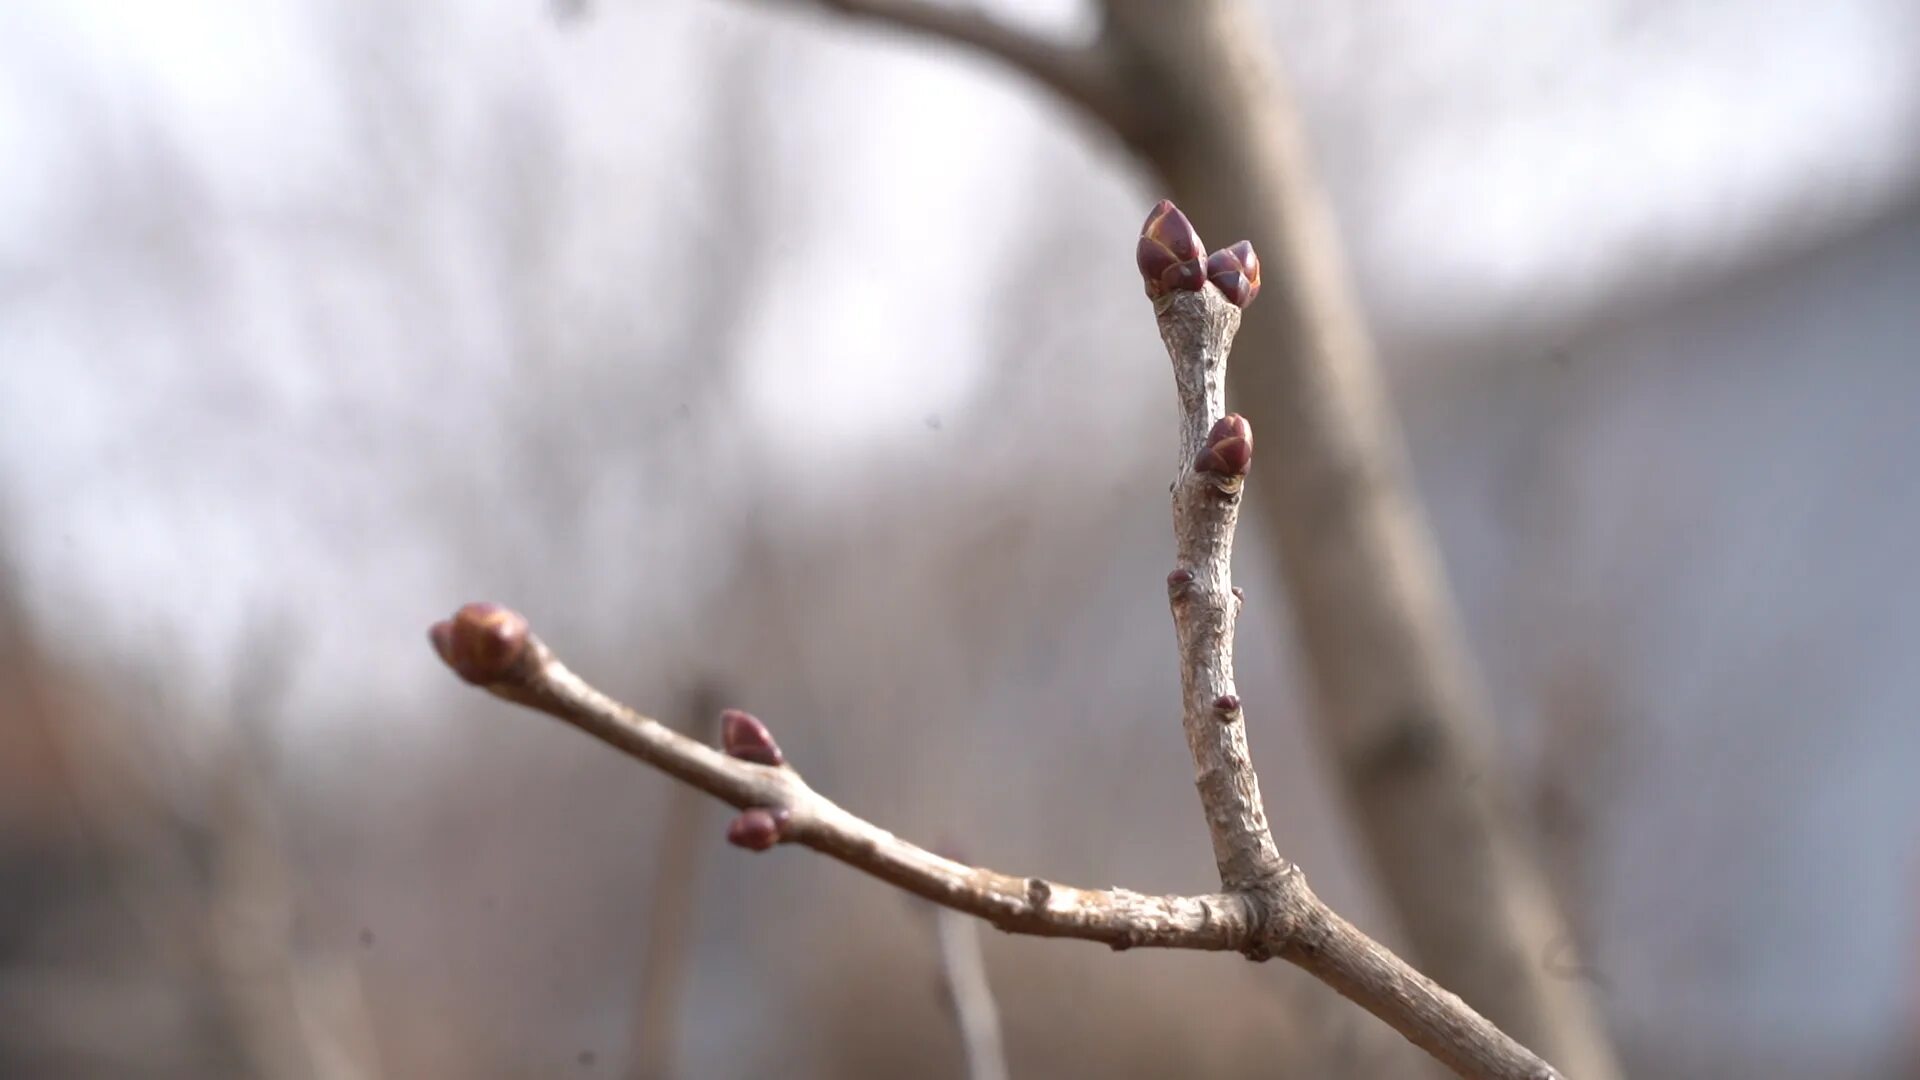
(1264, 909)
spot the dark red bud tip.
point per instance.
(1229, 447)
(1169, 228)
(758, 828)
(1180, 578)
(1169, 253)
(743, 736)
(482, 642)
(1236, 272)
(1227, 705)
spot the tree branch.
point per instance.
(1266, 909)
(492, 647)
(1192, 90)
(1197, 323)
(1083, 74)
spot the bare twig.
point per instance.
(492, 647)
(1199, 100)
(1266, 908)
(968, 991)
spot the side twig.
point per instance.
(1266, 908)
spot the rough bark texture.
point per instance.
(1197, 328)
(1191, 89)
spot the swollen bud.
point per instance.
(1229, 447)
(743, 736)
(1236, 272)
(1228, 707)
(758, 828)
(1170, 254)
(482, 642)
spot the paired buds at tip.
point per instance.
(1172, 258)
(1228, 450)
(759, 828)
(482, 642)
(743, 736)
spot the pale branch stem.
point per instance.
(1085, 75)
(1198, 329)
(1027, 905)
(971, 996)
(1428, 1015)
(1278, 916)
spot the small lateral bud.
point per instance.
(1228, 707)
(758, 828)
(1229, 447)
(1170, 254)
(1235, 271)
(482, 641)
(1180, 578)
(743, 736)
(1240, 594)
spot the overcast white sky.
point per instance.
(1490, 159)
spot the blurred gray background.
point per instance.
(755, 353)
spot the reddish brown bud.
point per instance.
(758, 828)
(1229, 447)
(1180, 578)
(1169, 253)
(482, 642)
(1168, 227)
(743, 736)
(1228, 706)
(1236, 272)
